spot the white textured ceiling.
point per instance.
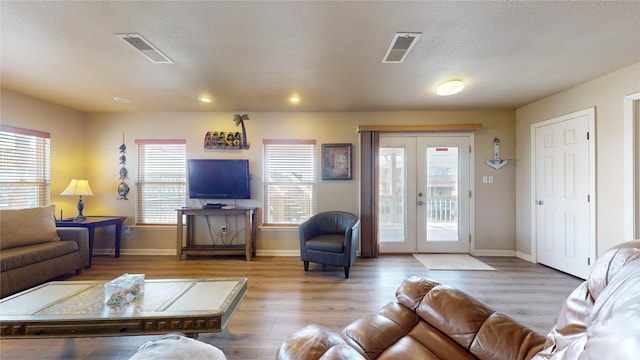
(251, 56)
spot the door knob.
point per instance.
(420, 202)
(539, 202)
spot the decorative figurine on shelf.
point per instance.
(123, 188)
(240, 119)
(228, 139)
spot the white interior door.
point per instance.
(563, 194)
(424, 194)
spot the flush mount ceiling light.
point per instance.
(294, 99)
(146, 48)
(450, 87)
(400, 46)
(205, 99)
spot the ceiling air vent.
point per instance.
(145, 47)
(400, 46)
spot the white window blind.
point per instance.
(160, 184)
(289, 181)
(25, 168)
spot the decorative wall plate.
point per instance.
(123, 190)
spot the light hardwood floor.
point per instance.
(282, 298)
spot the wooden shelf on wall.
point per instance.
(420, 128)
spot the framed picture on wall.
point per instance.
(336, 161)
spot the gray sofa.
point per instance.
(33, 250)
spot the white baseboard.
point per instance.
(525, 257)
(149, 252)
(172, 252)
(484, 252)
(277, 252)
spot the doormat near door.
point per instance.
(451, 262)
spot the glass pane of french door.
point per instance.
(397, 186)
(422, 183)
(392, 194)
(442, 193)
(443, 184)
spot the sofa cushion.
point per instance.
(601, 317)
(27, 226)
(454, 312)
(26, 255)
(501, 337)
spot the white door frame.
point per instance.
(590, 112)
(630, 164)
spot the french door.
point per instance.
(424, 200)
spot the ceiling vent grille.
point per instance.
(146, 48)
(400, 46)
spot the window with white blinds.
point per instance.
(289, 181)
(160, 184)
(25, 168)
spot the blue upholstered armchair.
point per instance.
(330, 238)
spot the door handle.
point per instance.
(420, 202)
(539, 202)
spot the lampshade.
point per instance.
(450, 87)
(77, 187)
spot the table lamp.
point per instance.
(78, 187)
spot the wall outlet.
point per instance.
(126, 230)
(223, 230)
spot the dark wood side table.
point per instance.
(91, 223)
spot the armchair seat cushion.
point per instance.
(328, 243)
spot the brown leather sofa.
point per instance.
(429, 321)
(434, 321)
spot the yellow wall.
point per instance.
(105, 130)
(86, 145)
(67, 129)
(606, 94)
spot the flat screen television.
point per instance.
(218, 179)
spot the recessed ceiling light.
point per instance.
(294, 99)
(450, 87)
(121, 100)
(205, 99)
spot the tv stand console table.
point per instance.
(189, 247)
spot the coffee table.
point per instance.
(77, 308)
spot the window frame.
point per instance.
(22, 151)
(166, 215)
(310, 183)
